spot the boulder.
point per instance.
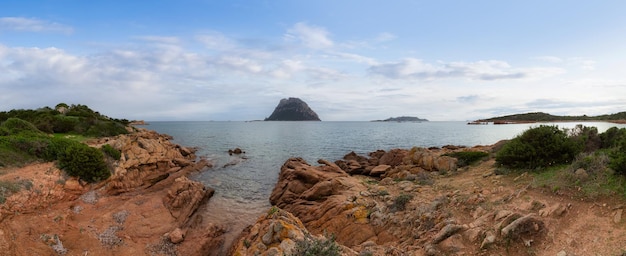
(177, 236)
(184, 198)
(380, 170)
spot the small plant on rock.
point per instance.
(112, 152)
(311, 246)
(399, 203)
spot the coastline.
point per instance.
(376, 203)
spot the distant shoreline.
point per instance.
(484, 122)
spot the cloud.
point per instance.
(582, 63)
(32, 25)
(468, 98)
(355, 57)
(216, 41)
(310, 36)
(160, 39)
(489, 70)
(385, 37)
(579, 62)
(550, 59)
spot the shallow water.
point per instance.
(243, 183)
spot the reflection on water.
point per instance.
(242, 186)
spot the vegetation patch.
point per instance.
(112, 152)
(311, 246)
(7, 188)
(399, 203)
(84, 162)
(538, 147)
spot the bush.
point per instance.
(310, 246)
(85, 162)
(112, 152)
(467, 157)
(618, 157)
(541, 146)
(16, 125)
(399, 203)
(612, 137)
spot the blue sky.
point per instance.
(349, 60)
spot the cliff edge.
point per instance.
(293, 109)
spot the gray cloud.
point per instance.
(490, 70)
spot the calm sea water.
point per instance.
(242, 186)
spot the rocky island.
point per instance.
(293, 109)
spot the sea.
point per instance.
(243, 183)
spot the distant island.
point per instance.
(293, 109)
(403, 119)
(544, 117)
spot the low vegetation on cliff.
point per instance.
(545, 117)
(54, 134)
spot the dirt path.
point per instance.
(574, 226)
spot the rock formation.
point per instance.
(293, 109)
(147, 207)
(386, 204)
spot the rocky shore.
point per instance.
(418, 202)
(398, 202)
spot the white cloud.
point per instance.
(411, 68)
(579, 62)
(32, 25)
(355, 57)
(216, 41)
(550, 59)
(160, 39)
(385, 37)
(241, 64)
(310, 36)
(582, 63)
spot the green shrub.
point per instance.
(541, 146)
(310, 246)
(612, 137)
(16, 125)
(85, 162)
(65, 124)
(467, 157)
(112, 152)
(104, 129)
(618, 157)
(399, 203)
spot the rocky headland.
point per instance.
(293, 109)
(147, 207)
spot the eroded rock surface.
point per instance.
(147, 207)
(399, 209)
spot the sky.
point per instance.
(350, 60)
